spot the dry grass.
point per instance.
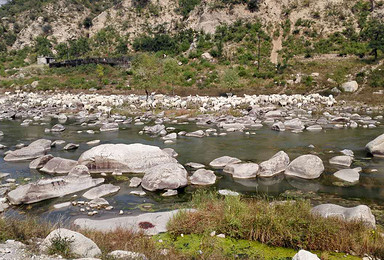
(288, 225)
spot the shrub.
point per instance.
(61, 246)
(186, 6)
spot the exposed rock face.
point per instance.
(376, 147)
(360, 213)
(167, 176)
(277, 164)
(80, 245)
(221, 162)
(149, 223)
(306, 166)
(36, 149)
(348, 175)
(101, 191)
(39, 163)
(132, 158)
(305, 255)
(58, 165)
(343, 160)
(242, 170)
(203, 177)
(51, 188)
(350, 86)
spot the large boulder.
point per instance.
(51, 188)
(167, 176)
(80, 245)
(39, 163)
(305, 255)
(221, 162)
(376, 147)
(277, 164)
(242, 170)
(203, 177)
(101, 191)
(36, 149)
(58, 166)
(360, 213)
(306, 166)
(126, 158)
(350, 86)
(294, 124)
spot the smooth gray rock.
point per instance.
(242, 170)
(376, 146)
(126, 158)
(36, 149)
(221, 162)
(39, 163)
(278, 126)
(294, 124)
(342, 160)
(305, 255)
(348, 175)
(135, 182)
(101, 191)
(148, 223)
(203, 177)
(171, 152)
(347, 152)
(195, 165)
(360, 213)
(350, 86)
(169, 193)
(306, 166)
(109, 127)
(277, 164)
(164, 177)
(58, 166)
(228, 193)
(80, 245)
(71, 146)
(154, 130)
(3, 206)
(58, 128)
(79, 170)
(198, 133)
(314, 128)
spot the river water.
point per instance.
(256, 147)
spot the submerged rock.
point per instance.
(242, 170)
(306, 166)
(376, 147)
(164, 177)
(360, 213)
(126, 158)
(101, 191)
(221, 162)
(277, 164)
(36, 149)
(80, 245)
(58, 165)
(203, 177)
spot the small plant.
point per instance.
(61, 246)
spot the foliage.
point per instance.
(43, 46)
(374, 33)
(230, 79)
(61, 246)
(186, 6)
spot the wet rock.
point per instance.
(195, 165)
(57, 142)
(132, 158)
(93, 142)
(242, 170)
(172, 136)
(154, 130)
(80, 245)
(3, 206)
(165, 176)
(306, 166)
(109, 127)
(360, 213)
(51, 188)
(342, 160)
(278, 126)
(203, 177)
(71, 146)
(314, 128)
(198, 134)
(221, 162)
(171, 152)
(294, 124)
(350, 86)
(376, 147)
(305, 255)
(101, 191)
(138, 193)
(169, 193)
(40, 162)
(347, 152)
(348, 175)
(277, 164)
(58, 128)
(58, 165)
(98, 203)
(135, 182)
(36, 149)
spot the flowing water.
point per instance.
(256, 147)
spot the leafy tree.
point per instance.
(374, 33)
(146, 71)
(100, 72)
(79, 47)
(186, 6)
(43, 46)
(87, 22)
(253, 5)
(122, 47)
(62, 50)
(172, 72)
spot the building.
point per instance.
(43, 60)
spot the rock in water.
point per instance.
(58, 165)
(39, 163)
(109, 127)
(167, 176)
(203, 177)
(101, 191)
(198, 133)
(36, 149)
(71, 146)
(135, 182)
(242, 170)
(343, 160)
(306, 166)
(348, 175)
(80, 245)
(58, 128)
(221, 162)
(51, 188)
(376, 147)
(132, 158)
(294, 124)
(277, 164)
(360, 213)
(305, 255)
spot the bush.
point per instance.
(186, 6)
(61, 246)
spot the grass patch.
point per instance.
(61, 246)
(289, 225)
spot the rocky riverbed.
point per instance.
(85, 156)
